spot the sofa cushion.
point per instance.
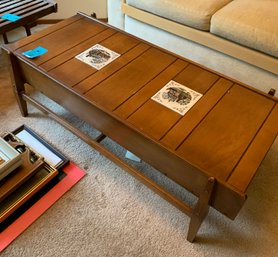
(253, 23)
(193, 13)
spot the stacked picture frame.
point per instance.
(40, 169)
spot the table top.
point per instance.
(226, 133)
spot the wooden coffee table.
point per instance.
(213, 151)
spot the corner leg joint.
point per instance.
(200, 210)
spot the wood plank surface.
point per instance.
(196, 78)
(96, 78)
(154, 123)
(63, 39)
(82, 70)
(246, 169)
(157, 122)
(64, 73)
(143, 95)
(120, 43)
(220, 140)
(67, 55)
(195, 115)
(126, 82)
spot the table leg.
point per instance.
(29, 26)
(18, 83)
(200, 211)
(5, 38)
(28, 31)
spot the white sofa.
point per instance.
(236, 38)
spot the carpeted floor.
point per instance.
(109, 213)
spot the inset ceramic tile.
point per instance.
(177, 97)
(97, 56)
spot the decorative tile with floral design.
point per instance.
(97, 56)
(177, 97)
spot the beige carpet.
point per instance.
(109, 213)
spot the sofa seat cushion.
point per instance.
(252, 23)
(193, 13)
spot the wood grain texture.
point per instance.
(126, 43)
(219, 141)
(72, 52)
(143, 95)
(120, 86)
(196, 78)
(82, 70)
(194, 116)
(63, 39)
(156, 122)
(248, 165)
(96, 78)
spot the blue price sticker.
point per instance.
(35, 52)
(10, 17)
